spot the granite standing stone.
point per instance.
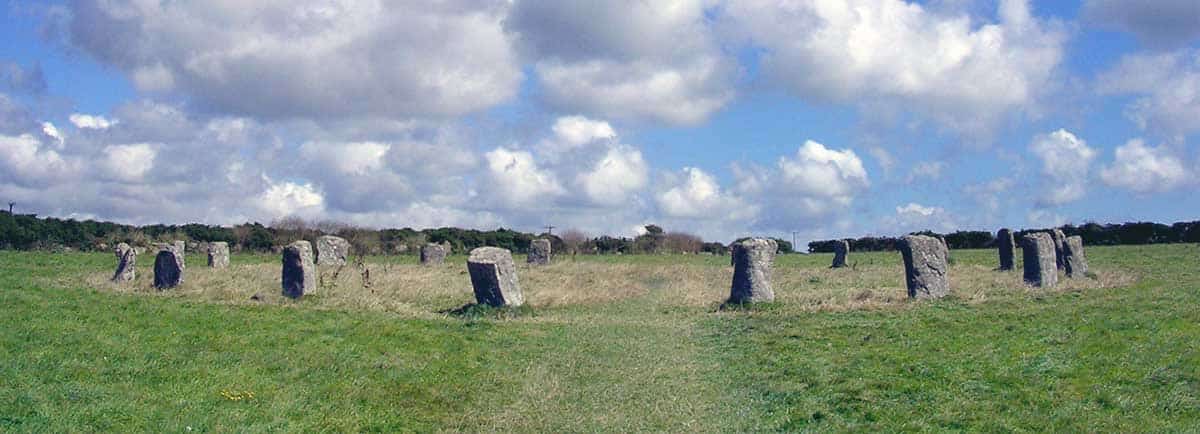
(1074, 260)
(299, 276)
(1038, 253)
(168, 267)
(181, 247)
(218, 254)
(433, 254)
(539, 252)
(494, 277)
(126, 265)
(332, 250)
(1005, 245)
(1058, 237)
(840, 249)
(121, 249)
(753, 259)
(926, 269)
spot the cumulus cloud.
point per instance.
(28, 162)
(93, 122)
(989, 194)
(1144, 169)
(621, 173)
(1159, 23)
(692, 193)
(628, 58)
(517, 180)
(824, 178)
(283, 199)
(347, 158)
(1066, 160)
(309, 59)
(573, 132)
(963, 74)
(128, 162)
(914, 217)
(931, 170)
(1167, 86)
(52, 131)
(21, 79)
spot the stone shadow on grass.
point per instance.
(477, 311)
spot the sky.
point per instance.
(814, 118)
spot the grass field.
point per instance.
(613, 343)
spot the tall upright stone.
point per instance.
(1005, 245)
(753, 259)
(1038, 253)
(121, 249)
(1074, 260)
(840, 249)
(181, 248)
(433, 254)
(1058, 237)
(332, 250)
(926, 266)
(218, 254)
(539, 252)
(299, 276)
(126, 264)
(168, 267)
(494, 277)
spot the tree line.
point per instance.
(1092, 233)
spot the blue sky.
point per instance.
(833, 118)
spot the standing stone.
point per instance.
(494, 277)
(298, 269)
(126, 264)
(1038, 253)
(840, 248)
(168, 267)
(539, 252)
(1073, 258)
(332, 250)
(181, 247)
(926, 271)
(447, 247)
(433, 254)
(1005, 245)
(218, 254)
(1058, 237)
(752, 262)
(121, 249)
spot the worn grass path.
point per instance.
(1117, 359)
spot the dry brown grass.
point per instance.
(419, 291)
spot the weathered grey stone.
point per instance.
(926, 268)
(181, 247)
(447, 247)
(1038, 253)
(1005, 245)
(1058, 237)
(433, 254)
(539, 252)
(840, 249)
(218, 254)
(121, 249)
(753, 259)
(1074, 260)
(168, 267)
(299, 276)
(126, 264)
(494, 277)
(140, 250)
(332, 250)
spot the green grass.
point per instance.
(1108, 359)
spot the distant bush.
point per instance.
(1092, 233)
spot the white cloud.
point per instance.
(285, 199)
(578, 130)
(128, 162)
(965, 75)
(931, 170)
(1167, 86)
(696, 194)
(50, 130)
(1066, 160)
(28, 162)
(619, 174)
(348, 158)
(916, 209)
(818, 171)
(1144, 169)
(989, 194)
(1160, 23)
(915, 217)
(94, 122)
(312, 58)
(517, 179)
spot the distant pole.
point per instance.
(10, 205)
(549, 230)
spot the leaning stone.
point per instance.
(1058, 237)
(332, 250)
(1074, 260)
(926, 270)
(126, 265)
(840, 249)
(298, 275)
(168, 267)
(433, 254)
(539, 252)
(1005, 245)
(1038, 253)
(121, 249)
(753, 259)
(494, 277)
(218, 254)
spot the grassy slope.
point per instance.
(1111, 359)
